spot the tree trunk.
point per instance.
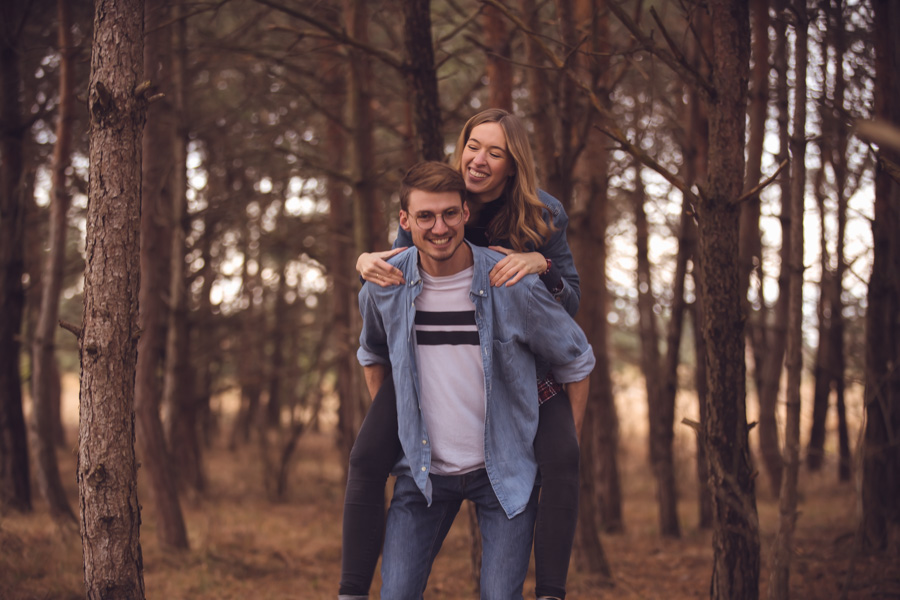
(780, 570)
(834, 151)
(599, 470)
(15, 485)
(881, 453)
(661, 410)
(156, 244)
(696, 153)
(815, 449)
(252, 323)
(369, 224)
(600, 495)
(601, 491)
(422, 79)
(344, 314)
(776, 336)
(43, 366)
(538, 82)
(704, 493)
(107, 467)
(736, 535)
(178, 396)
(276, 337)
(498, 67)
(751, 240)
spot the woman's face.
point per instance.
(486, 164)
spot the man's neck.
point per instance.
(462, 259)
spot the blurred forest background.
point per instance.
(730, 173)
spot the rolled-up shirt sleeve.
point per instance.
(373, 348)
(557, 338)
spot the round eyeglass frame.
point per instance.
(431, 220)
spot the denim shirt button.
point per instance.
(424, 469)
(424, 442)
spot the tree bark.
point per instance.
(498, 67)
(696, 153)
(776, 336)
(541, 107)
(600, 481)
(751, 240)
(881, 453)
(661, 407)
(736, 535)
(600, 499)
(183, 426)
(422, 79)
(156, 213)
(815, 449)
(780, 570)
(751, 245)
(107, 468)
(44, 371)
(369, 224)
(15, 484)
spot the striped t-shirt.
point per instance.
(451, 374)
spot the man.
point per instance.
(463, 365)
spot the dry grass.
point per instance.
(244, 546)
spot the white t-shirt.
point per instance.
(451, 373)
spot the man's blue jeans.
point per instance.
(416, 531)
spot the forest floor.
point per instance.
(246, 546)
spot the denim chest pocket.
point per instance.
(512, 361)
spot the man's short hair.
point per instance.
(431, 176)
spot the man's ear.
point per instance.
(465, 212)
(404, 220)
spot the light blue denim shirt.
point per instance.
(515, 325)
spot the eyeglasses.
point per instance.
(451, 218)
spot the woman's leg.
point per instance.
(373, 455)
(557, 454)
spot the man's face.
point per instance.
(437, 240)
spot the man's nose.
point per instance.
(439, 224)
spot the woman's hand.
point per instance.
(372, 266)
(515, 266)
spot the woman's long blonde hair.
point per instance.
(521, 220)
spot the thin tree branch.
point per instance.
(700, 47)
(761, 185)
(610, 130)
(680, 66)
(619, 137)
(679, 55)
(75, 329)
(337, 35)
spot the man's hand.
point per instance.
(372, 266)
(515, 266)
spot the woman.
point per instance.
(510, 215)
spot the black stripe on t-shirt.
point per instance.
(466, 317)
(447, 338)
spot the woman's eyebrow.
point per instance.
(501, 148)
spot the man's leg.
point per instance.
(371, 459)
(506, 543)
(415, 532)
(557, 454)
